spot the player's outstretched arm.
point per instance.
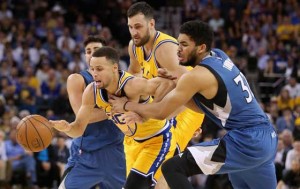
(161, 110)
(200, 81)
(77, 127)
(138, 87)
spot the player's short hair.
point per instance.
(107, 52)
(94, 39)
(198, 31)
(141, 8)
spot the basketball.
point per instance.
(34, 133)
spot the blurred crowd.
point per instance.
(41, 43)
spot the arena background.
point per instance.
(41, 43)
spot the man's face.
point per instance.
(103, 71)
(139, 28)
(90, 49)
(187, 51)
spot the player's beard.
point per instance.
(143, 40)
(191, 61)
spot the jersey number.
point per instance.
(240, 79)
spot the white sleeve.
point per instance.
(3, 155)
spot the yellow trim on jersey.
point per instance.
(139, 131)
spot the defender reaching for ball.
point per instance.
(152, 140)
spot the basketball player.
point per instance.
(149, 50)
(97, 154)
(152, 140)
(218, 88)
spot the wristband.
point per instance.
(124, 106)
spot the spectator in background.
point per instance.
(50, 88)
(280, 159)
(22, 162)
(293, 87)
(284, 100)
(291, 179)
(62, 152)
(285, 30)
(286, 121)
(287, 138)
(6, 87)
(292, 154)
(3, 157)
(296, 132)
(48, 174)
(216, 22)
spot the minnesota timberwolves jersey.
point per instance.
(234, 105)
(98, 134)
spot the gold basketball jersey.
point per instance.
(149, 64)
(188, 121)
(139, 131)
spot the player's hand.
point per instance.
(61, 125)
(117, 104)
(131, 118)
(164, 73)
(197, 133)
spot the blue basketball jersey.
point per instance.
(234, 106)
(98, 134)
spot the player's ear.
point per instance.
(152, 22)
(201, 49)
(116, 67)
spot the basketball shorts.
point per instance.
(247, 156)
(105, 167)
(185, 124)
(146, 157)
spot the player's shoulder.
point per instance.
(134, 84)
(200, 72)
(75, 79)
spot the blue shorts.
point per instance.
(247, 156)
(105, 167)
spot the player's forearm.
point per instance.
(147, 111)
(163, 89)
(97, 115)
(77, 129)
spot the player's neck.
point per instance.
(113, 87)
(149, 45)
(203, 56)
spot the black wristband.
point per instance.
(124, 106)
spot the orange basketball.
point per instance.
(34, 133)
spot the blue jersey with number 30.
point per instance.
(234, 105)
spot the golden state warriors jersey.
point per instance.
(149, 64)
(139, 131)
(187, 121)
